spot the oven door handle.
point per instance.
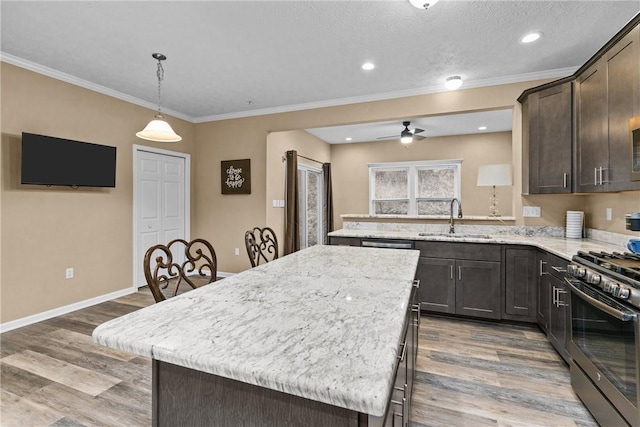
(625, 317)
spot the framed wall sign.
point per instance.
(235, 176)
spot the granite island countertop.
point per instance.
(559, 246)
(323, 323)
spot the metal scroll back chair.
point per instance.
(165, 268)
(262, 245)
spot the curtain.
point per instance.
(328, 202)
(292, 205)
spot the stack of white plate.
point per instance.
(575, 224)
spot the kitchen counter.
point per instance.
(323, 323)
(559, 246)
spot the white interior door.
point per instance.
(161, 189)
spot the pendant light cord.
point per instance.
(160, 74)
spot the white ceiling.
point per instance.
(239, 58)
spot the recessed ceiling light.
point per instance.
(453, 82)
(348, 138)
(368, 66)
(531, 37)
(482, 128)
(423, 4)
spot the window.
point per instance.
(413, 188)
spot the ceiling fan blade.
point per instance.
(419, 137)
(387, 137)
(416, 130)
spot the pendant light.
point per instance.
(158, 130)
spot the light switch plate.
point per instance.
(531, 211)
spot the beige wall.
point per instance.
(277, 144)
(44, 230)
(224, 219)
(620, 203)
(47, 229)
(351, 172)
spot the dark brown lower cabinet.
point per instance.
(460, 278)
(554, 298)
(478, 289)
(520, 284)
(544, 295)
(437, 284)
(344, 241)
(559, 322)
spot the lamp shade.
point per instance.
(159, 131)
(498, 175)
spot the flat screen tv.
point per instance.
(55, 161)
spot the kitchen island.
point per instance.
(312, 338)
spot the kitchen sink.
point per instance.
(456, 236)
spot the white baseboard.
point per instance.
(29, 320)
(224, 274)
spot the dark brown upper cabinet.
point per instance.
(607, 97)
(550, 139)
(576, 130)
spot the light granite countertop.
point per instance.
(323, 323)
(559, 246)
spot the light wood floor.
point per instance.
(469, 374)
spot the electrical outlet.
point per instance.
(609, 214)
(236, 251)
(69, 273)
(531, 211)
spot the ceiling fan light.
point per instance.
(453, 82)
(406, 139)
(159, 131)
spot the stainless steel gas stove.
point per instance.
(605, 306)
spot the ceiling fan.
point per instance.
(407, 136)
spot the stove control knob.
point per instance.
(614, 289)
(593, 278)
(622, 293)
(576, 271)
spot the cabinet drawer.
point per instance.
(460, 250)
(344, 241)
(556, 266)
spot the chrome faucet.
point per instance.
(451, 221)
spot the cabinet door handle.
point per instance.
(416, 310)
(459, 272)
(404, 351)
(560, 303)
(542, 263)
(564, 180)
(555, 301)
(416, 283)
(595, 176)
(600, 174)
(451, 271)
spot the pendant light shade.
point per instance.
(158, 130)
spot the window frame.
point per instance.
(412, 168)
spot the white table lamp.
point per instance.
(492, 176)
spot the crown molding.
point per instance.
(68, 78)
(50, 72)
(516, 78)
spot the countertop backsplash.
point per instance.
(460, 228)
